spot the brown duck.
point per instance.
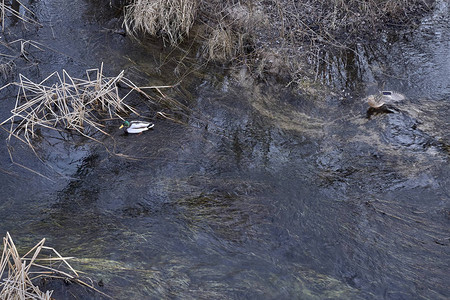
(384, 97)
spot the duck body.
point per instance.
(384, 97)
(136, 126)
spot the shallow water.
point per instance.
(260, 192)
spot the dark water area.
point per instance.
(260, 192)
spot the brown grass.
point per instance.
(18, 273)
(62, 102)
(294, 33)
(7, 62)
(221, 44)
(227, 33)
(170, 19)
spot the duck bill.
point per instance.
(121, 126)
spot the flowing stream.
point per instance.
(261, 192)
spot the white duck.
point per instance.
(136, 126)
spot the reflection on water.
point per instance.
(261, 193)
(415, 60)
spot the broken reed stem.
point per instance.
(61, 102)
(3, 15)
(4, 9)
(18, 283)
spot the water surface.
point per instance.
(259, 192)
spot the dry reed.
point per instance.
(8, 9)
(269, 36)
(62, 102)
(18, 273)
(10, 52)
(221, 45)
(6, 68)
(171, 19)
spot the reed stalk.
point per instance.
(7, 9)
(62, 102)
(18, 274)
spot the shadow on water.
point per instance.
(260, 192)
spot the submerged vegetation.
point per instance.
(276, 37)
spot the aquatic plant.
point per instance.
(18, 274)
(8, 57)
(62, 102)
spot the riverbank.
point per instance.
(288, 40)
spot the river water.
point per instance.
(259, 192)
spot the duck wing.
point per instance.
(141, 125)
(393, 96)
(137, 130)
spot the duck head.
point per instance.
(125, 124)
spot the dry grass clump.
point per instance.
(171, 19)
(310, 30)
(228, 29)
(289, 39)
(7, 54)
(273, 21)
(62, 102)
(6, 67)
(297, 32)
(221, 44)
(340, 21)
(18, 273)
(223, 24)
